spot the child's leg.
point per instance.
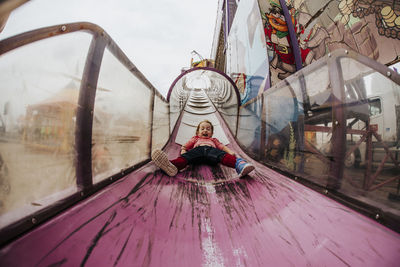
(180, 163)
(160, 159)
(172, 167)
(242, 167)
(228, 160)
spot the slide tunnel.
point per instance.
(206, 215)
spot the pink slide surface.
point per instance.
(206, 216)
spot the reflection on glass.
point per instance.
(160, 133)
(300, 124)
(316, 85)
(39, 93)
(372, 140)
(177, 100)
(314, 94)
(222, 94)
(375, 107)
(249, 129)
(295, 112)
(121, 132)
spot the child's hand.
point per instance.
(227, 150)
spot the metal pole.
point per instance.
(84, 113)
(292, 35)
(338, 143)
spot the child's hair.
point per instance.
(207, 121)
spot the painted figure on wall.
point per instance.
(278, 39)
(371, 28)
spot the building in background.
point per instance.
(257, 47)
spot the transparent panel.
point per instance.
(250, 126)
(272, 127)
(283, 122)
(373, 118)
(300, 119)
(121, 132)
(39, 93)
(222, 93)
(297, 113)
(313, 158)
(247, 61)
(177, 100)
(160, 133)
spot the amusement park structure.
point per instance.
(307, 91)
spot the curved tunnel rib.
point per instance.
(206, 216)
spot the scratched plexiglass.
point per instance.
(160, 127)
(121, 130)
(344, 138)
(39, 95)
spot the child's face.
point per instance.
(205, 130)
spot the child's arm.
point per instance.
(189, 145)
(219, 145)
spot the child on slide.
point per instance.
(201, 148)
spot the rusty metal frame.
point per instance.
(84, 113)
(339, 116)
(366, 136)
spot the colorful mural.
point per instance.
(371, 28)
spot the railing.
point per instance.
(76, 114)
(333, 126)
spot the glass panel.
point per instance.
(160, 123)
(224, 97)
(247, 61)
(298, 131)
(39, 92)
(313, 159)
(249, 129)
(284, 124)
(177, 100)
(373, 105)
(279, 137)
(121, 131)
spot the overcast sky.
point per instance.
(156, 35)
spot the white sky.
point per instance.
(156, 35)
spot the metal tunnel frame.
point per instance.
(204, 68)
(84, 117)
